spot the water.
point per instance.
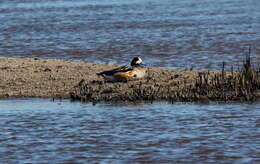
(166, 33)
(39, 130)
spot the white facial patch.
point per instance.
(139, 61)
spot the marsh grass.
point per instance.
(240, 85)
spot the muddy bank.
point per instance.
(34, 77)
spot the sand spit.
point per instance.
(34, 77)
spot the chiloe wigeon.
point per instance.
(124, 73)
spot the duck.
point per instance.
(124, 73)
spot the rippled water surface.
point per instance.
(166, 33)
(42, 131)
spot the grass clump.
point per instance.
(240, 85)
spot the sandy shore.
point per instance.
(34, 77)
(46, 78)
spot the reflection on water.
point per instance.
(165, 33)
(38, 130)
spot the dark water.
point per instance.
(166, 33)
(41, 131)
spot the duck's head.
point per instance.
(136, 61)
